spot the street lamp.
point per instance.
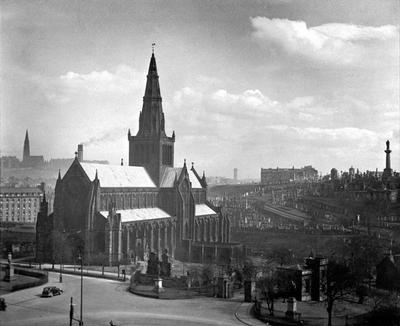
(62, 253)
(80, 317)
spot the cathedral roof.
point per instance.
(118, 176)
(193, 179)
(139, 214)
(169, 175)
(203, 209)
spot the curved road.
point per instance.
(105, 300)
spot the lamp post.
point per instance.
(62, 254)
(80, 317)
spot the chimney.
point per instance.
(80, 152)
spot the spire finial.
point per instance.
(192, 165)
(96, 176)
(184, 162)
(122, 161)
(153, 45)
(59, 174)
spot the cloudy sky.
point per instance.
(245, 84)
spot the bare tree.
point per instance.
(340, 282)
(268, 287)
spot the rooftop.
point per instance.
(19, 190)
(203, 209)
(119, 176)
(139, 214)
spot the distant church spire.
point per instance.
(27, 151)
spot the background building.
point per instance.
(19, 205)
(284, 175)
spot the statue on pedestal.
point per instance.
(9, 269)
(165, 264)
(153, 267)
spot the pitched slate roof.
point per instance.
(203, 209)
(139, 214)
(193, 179)
(118, 176)
(169, 178)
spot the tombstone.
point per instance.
(9, 269)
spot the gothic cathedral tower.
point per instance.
(151, 147)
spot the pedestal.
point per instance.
(291, 308)
(9, 273)
(158, 287)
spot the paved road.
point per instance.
(106, 300)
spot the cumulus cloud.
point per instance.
(249, 99)
(300, 102)
(123, 81)
(332, 43)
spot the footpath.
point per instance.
(244, 313)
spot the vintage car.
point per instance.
(50, 291)
(3, 304)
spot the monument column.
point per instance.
(387, 172)
(388, 151)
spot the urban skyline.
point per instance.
(325, 94)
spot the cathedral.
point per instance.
(127, 212)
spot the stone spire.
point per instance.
(27, 151)
(151, 147)
(151, 120)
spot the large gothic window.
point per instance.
(167, 155)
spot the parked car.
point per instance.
(50, 291)
(3, 304)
